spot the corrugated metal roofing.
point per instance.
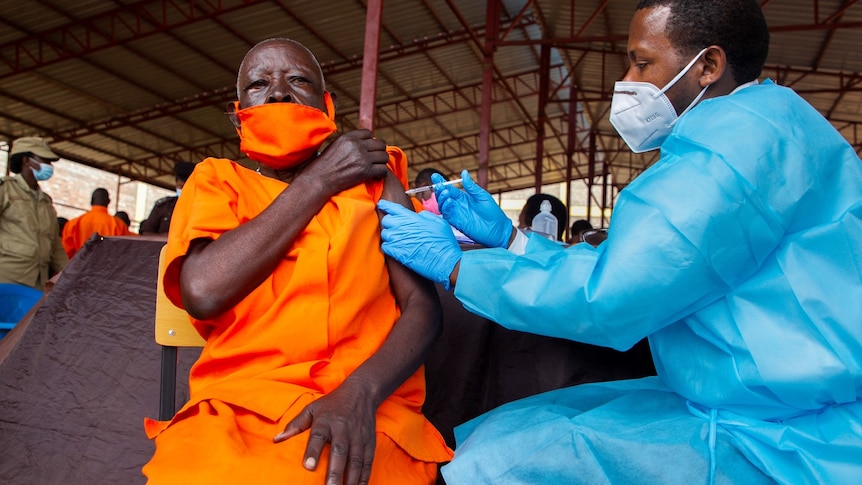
(134, 86)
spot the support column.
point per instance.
(591, 173)
(605, 173)
(491, 20)
(370, 55)
(544, 86)
(571, 140)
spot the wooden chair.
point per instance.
(173, 329)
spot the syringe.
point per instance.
(426, 188)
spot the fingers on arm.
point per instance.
(320, 435)
(359, 464)
(349, 463)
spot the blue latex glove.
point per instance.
(474, 212)
(423, 242)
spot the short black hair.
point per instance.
(183, 170)
(16, 161)
(737, 26)
(580, 225)
(123, 216)
(100, 197)
(424, 177)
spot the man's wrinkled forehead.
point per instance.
(291, 54)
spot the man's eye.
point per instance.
(256, 85)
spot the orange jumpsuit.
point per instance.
(78, 230)
(323, 311)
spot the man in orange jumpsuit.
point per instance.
(311, 372)
(78, 230)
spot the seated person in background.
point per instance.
(159, 220)
(578, 228)
(532, 207)
(124, 217)
(427, 200)
(312, 367)
(582, 231)
(78, 230)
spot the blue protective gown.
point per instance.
(739, 253)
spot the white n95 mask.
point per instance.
(643, 115)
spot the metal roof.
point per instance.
(134, 86)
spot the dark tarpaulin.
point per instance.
(78, 378)
(81, 375)
(477, 365)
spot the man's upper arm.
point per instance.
(406, 285)
(393, 191)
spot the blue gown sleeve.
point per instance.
(683, 234)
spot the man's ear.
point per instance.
(714, 66)
(231, 113)
(334, 100)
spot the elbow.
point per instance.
(200, 301)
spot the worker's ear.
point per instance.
(231, 113)
(714, 65)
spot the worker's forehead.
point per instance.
(648, 30)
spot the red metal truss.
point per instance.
(108, 29)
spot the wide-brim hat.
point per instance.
(35, 145)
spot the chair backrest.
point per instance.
(173, 327)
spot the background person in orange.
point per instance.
(311, 369)
(78, 230)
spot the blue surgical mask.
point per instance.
(642, 113)
(44, 173)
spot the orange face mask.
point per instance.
(283, 135)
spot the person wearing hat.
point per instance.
(30, 247)
(159, 220)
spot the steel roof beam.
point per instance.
(113, 73)
(150, 59)
(117, 27)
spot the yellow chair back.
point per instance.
(173, 327)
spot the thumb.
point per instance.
(296, 425)
(391, 207)
(471, 187)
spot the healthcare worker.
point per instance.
(738, 253)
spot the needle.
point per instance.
(426, 188)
